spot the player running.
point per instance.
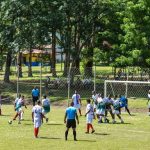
(89, 116)
(37, 118)
(46, 106)
(124, 103)
(116, 111)
(17, 106)
(70, 119)
(76, 99)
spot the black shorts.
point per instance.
(35, 98)
(71, 123)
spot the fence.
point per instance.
(62, 87)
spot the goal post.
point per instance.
(127, 88)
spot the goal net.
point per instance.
(135, 89)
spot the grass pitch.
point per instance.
(133, 134)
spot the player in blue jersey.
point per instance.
(124, 103)
(35, 95)
(70, 120)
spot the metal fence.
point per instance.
(62, 87)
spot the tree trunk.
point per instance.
(30, 64)
(7, 69)
(20, 64)
(66, 64)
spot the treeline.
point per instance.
(115, 32)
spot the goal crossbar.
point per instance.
(126, 82)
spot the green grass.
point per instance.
(134, 134)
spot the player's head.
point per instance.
(102, 95)
(110, 96)
(72, 104)
(116, 96)
(39, 102)
(88, 101)
(19, 95)
(44, 96)
(22, 96)
(35, 87)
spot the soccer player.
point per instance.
(101, 108)
(124, 103)
(89, 116)
(70, 119)
(109, 103)
(35, 95)
(37, 117)
(77, 101)
(46, 106)
(148, 95)
(17, 108)
(116, 106)
(94, 98)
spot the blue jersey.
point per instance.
(35, 92)
(71, 112)
(123, 101)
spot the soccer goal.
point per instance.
(135, 89)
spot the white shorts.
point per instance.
(89, 120)
(100, 112)
(77, 106)
(94, 106)
(116, 112)
(19, 110)
(37, 123)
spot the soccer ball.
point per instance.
(10, 122)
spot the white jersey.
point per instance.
(76, 98)
(37, 110)
(108, 101)
(46, 102)
(148, 96)
(90, 108)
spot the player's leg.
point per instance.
(22, 112)
(74, 134)
(87, 128)
(112, 115)
(118, 115)
(66, 133)
(127, 109)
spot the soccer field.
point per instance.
(133, 134)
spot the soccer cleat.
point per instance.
(122, 121)
(86, 132)
(93, 131)
(113, 121)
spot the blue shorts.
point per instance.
(123, 105)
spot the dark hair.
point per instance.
(88, 101)
(38, 102)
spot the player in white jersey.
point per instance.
(37, 117)
(148, 96)
(76, 99)
(19, 102)
(94, 98)
(46, 106)
(89, 116)
(116, 106)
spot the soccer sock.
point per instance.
(87, 127)
(66, 135)
(74, 134)
(21, 115)
(37, 131)
(15, 116)
(80, 112)
(91, 127)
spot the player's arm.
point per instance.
(87, 113)
(32, 116)
(65, 117)
(77, 118)
(148, 100)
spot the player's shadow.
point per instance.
(101, 133)
(4, 115)
(84, 140)
(119, 123)
(52, 138)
